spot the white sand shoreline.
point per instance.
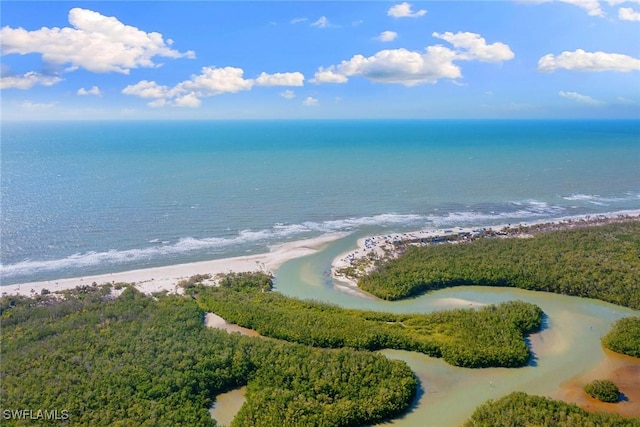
(166, 278)
(386, 246)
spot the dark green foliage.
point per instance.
(307, 387)
(597, 262)
(490, 336)
(138, 360)
(520, 409)
(603, 390)
(624, 337)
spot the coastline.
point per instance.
(166, 278)
(348, 266)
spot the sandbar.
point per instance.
(623, 370)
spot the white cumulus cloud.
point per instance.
(410, 67)
(27, 81)
(215, 81)
(280, 79)
(211, 81)
(472, 46)
(588, 61)
(628, 14)
(329, 75)
(395, 66)
(189, 100)
(146, 89)
(577, 97)
(403, 10)
(95, 90)
(94, 42)
(387, 36)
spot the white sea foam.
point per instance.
(595, 199)
(184, 245)
(515, 211)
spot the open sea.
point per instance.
(81, 198)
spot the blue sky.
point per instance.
(312, 59)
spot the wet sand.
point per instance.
(623, 370)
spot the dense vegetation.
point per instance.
(624, 337)
(520, 409)
(149, 361)
(603, 390)
(598, 262)
(490, 336)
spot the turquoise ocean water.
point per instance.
(80, 198)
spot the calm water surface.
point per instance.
(568, 345)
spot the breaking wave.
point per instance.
(158, 249)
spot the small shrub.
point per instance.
(193, 281)
(603, 390)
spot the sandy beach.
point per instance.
(165, 278)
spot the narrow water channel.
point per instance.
(567, 347)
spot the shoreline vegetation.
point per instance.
(521, 409)
(593, 257)
(119, 352)
(491, 336)
(624, 337)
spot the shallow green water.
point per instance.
(568, 345)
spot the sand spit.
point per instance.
(348, 267)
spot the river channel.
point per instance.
(567, 347)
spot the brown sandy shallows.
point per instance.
(212, 320)
(623, 370)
